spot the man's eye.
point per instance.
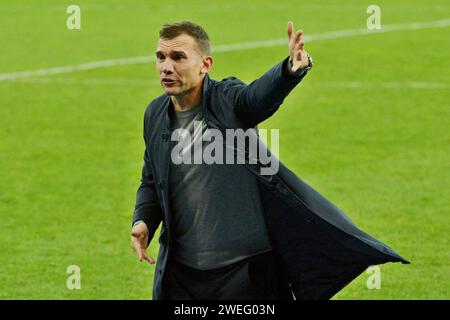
(178, 57)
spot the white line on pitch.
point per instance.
(226, 48)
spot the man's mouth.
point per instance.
(168, 81)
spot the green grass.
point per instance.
(71, 150)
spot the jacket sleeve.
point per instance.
(147, 208)
(260, 99)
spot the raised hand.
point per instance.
(298, 56)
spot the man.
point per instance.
(230, 232)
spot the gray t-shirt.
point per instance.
(217, 212)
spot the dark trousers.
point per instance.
(258, 277)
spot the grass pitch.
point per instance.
(368, 128)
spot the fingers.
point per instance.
(290, 29)
(139, 248)
(143, 256)
(149, 259)
(295, 40)
(300, 52)
(136, 245)
(299, 46)
(298, 43)
(296, 46)
(298, 37)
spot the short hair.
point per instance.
(173, 30)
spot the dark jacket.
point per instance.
(321, 249)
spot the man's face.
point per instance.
(179, 64)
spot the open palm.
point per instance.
(298, 56)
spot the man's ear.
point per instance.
(207, 63)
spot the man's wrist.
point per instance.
(299, 73)
(138, 222)
(308, 67)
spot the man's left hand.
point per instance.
(298, 56)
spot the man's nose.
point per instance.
(167, 66)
